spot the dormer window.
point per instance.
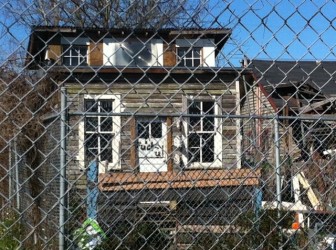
(75, 55)
(133, 53)
(189, 56)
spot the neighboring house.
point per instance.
(297, 94)
(150, 106)
(298, 89)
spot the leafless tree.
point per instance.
(107, 13)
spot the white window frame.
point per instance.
(218, 128)
(74, 51)
(112, 45)
(184, 58)
(72, 43)
(116, 139)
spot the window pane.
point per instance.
(83, 51)
(194, 155)
(91, 146)
(123, 55)
(67, 51)
(195, 122)
(181, 63)
(105, 106)
(197, 52)
(194, 107)
(143, 55)
(156, 129)
(189, 54)
(66, 61)
(188, 62)
(197, 62)
(106, 147)
(208, 148)
(82, 61)
(91, 105)
(194, 140)
(194, 144)
(91, 124)
(208, 122)
(143, 130)
(208, 107)
(181, 52)
(134, 53)
(106, 124)
(74, 61)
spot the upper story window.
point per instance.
(132, 52)
(189, 56)
(75, 55)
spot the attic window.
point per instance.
(134, 53)
(75, 55)
(189, 57)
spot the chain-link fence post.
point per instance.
(62, 197)
(278, 177)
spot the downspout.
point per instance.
(62, 170)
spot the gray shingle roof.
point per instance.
(320, 75)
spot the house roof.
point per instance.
(42, 35)
(319, 75)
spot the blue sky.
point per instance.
(273, 30)
(281, 30)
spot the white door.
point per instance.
(152, 145)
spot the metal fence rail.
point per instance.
(167, 125)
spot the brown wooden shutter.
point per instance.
(170, 144)
(133, 160)
(96, 54)
(169, 55)
(54, 52)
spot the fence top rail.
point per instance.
(228, 116)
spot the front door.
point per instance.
(152, 145)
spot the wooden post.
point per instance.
(133, 160)
(169, 144)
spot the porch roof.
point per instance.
(127, 181)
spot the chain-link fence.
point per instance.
(167, 124)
